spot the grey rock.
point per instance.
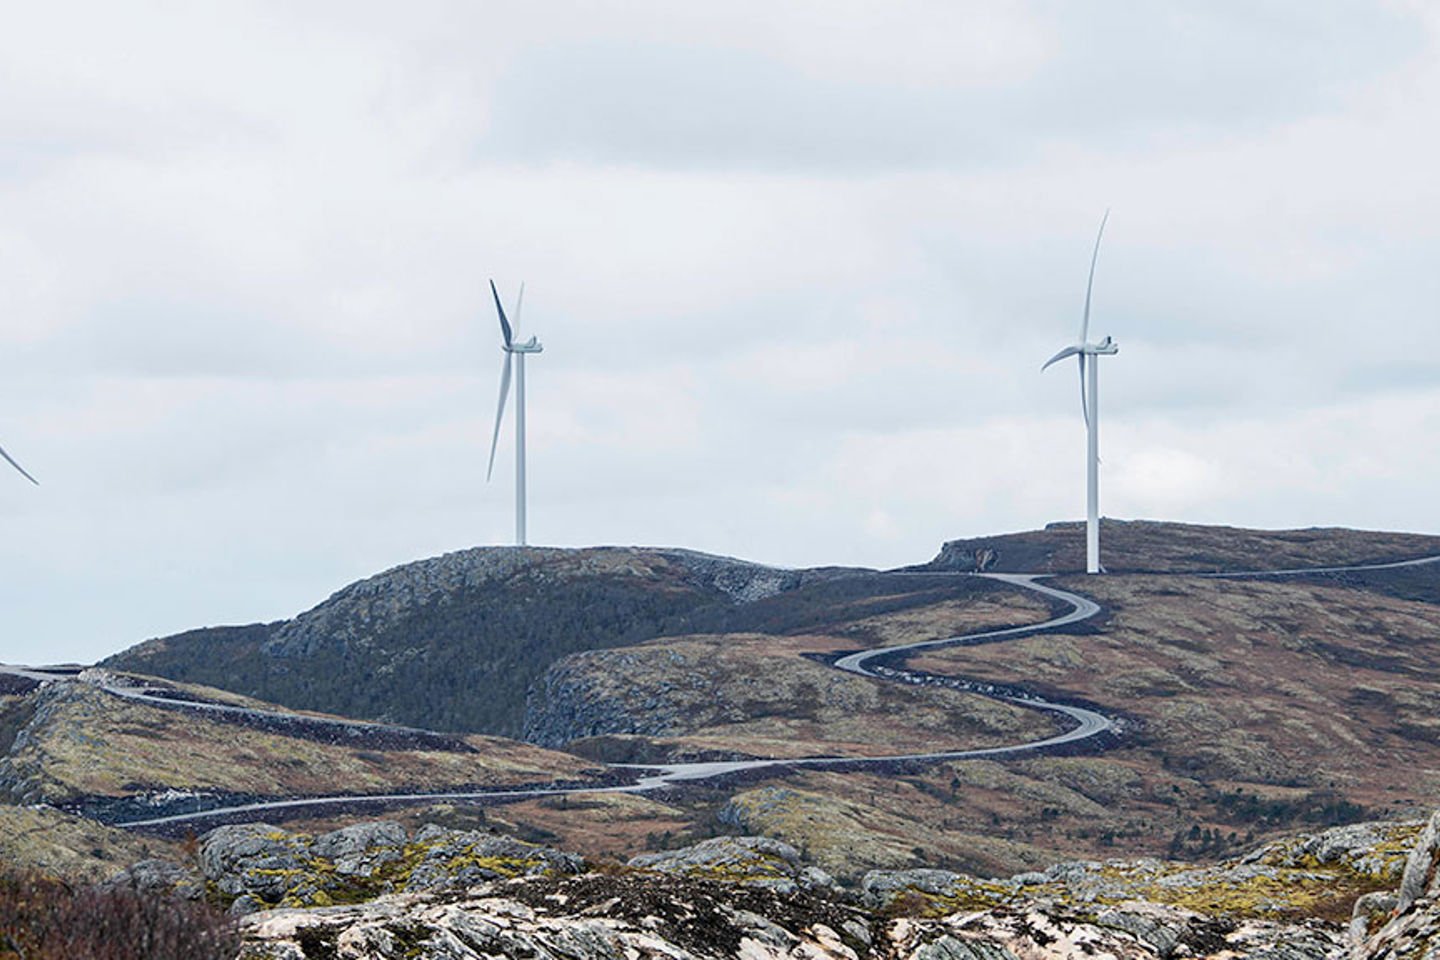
(880, 888)
(159, 876)
(245, 904)
(1163, 931)
(759, 861)
(457, 859)
(813, 878)
(947, 947)
(359, 850)
(1370, 912)
(252, 858)
(1419, 877)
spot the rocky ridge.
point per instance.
(256, 866)
(754, 898)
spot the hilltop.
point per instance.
(453, 643)
(1150, 546)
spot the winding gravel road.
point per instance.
(1080, 723)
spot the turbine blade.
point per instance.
(1090, 284)
(499, 413)
(515, 314)
(1067, 352)
(1084, 403)
(504, 324)
(11, 460)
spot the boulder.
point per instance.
(453, 859)
(360, 849)
(880, 889)
(754, 861)
(159, 876)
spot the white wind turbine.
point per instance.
(516, 352)
(1090, 407)
(11, 460)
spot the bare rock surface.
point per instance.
(1406, 925)
(754, 861)
(593, 917)
(748, 897)
(255, 866)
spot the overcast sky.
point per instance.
(795, 266)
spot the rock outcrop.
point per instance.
(1405, 924)
(254, 866)
(754, 898)
(752, 861)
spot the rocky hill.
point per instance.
(453, 642)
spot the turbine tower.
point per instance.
(1090, 408)
(513, 352)
(11, 460)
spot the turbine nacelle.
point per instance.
(529, 346)
(1105, 348)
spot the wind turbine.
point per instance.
(516, 352)
(11, 460)
(1090, 407)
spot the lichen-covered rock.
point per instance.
(257, 859)
(1376, 850)
(756, 861)
(256, 866)
(879, 889)
(361, 849)
(450, 859)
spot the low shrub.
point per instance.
(42, 918)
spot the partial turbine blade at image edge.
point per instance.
(515, 314)
(11, 460)
(1090, 284)
(500, 309)
(499, 413)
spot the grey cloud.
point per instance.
(1122, 73)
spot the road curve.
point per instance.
(1081, 723)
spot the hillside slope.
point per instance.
(75, 743)
(453, 642)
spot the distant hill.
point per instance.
(454, 642)
(1150, 546)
